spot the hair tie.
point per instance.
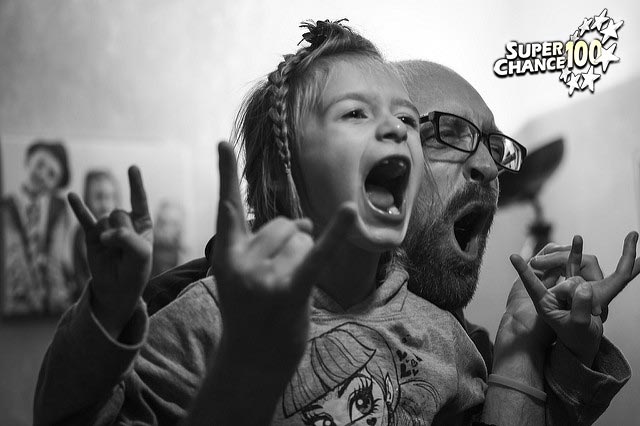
(318, 31)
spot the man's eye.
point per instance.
(449, 132)
(356, 113)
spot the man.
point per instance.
(445, 245)
(447, 237)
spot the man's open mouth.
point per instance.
(469, 226)
(386, 184)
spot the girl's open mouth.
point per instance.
(386, 184)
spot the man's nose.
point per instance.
(393, 129)
(479, 167)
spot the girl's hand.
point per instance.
(572, 307)
(265, 279)
(119, 251)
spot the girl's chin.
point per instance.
(376, 238)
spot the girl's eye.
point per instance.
(409, 121)
(356, 113)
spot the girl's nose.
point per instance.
(392, 129)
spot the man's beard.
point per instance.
(437, 273)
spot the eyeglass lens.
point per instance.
(459, 133)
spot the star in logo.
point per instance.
(564, 75)
(573, 83)
(573, 37)
(611, 31)
(585, 26)
(607, 56)
(600, 20)
(588, 79)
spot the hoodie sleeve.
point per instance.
(83, 368)
(579, 395)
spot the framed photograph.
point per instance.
(44, 266)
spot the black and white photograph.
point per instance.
(319, 213)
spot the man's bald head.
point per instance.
(456, 203)
(435, 87)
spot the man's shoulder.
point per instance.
(164, 288)
(203, 289)
(425, 308)
(195, 308)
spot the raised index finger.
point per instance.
(231, 222)
(229, 184)
(139, 206)
(85, 217)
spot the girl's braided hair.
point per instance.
(271, 114)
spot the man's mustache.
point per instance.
(485, 195)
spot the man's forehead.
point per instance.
(433, 87)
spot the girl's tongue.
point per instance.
(380, 197)
(386, 183)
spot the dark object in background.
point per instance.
(525, 186)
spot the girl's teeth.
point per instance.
(393, 210)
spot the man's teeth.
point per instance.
(393, 210)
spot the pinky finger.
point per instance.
(626, 265)
(636, 268)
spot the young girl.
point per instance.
(331, 135)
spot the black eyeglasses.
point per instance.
(461, 134)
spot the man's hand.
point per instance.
(549, 265)
(119, 251)
(265, 279)
(567, 308)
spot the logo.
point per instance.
(581, 61)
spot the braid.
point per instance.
(279, 85)
(278, 112)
